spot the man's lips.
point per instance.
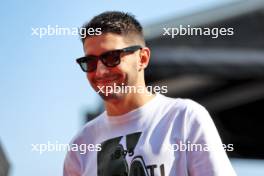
(107, 80)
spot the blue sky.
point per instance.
(44, 94)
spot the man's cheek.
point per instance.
(92, 82)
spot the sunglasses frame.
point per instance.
(103, 57)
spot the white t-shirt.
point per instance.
(164, 137)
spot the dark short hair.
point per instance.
(116, 22)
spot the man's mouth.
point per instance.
(107, 80)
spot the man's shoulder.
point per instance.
(181, 103)
(190, 110)
(185, 109)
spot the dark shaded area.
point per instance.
(4, 164)
(243, 126)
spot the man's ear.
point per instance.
(144, 58)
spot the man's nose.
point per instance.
(101, 70)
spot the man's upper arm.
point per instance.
(212, 160)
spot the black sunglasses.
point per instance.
(110, 58)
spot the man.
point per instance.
(140, 133)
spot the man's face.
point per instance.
(124, 74)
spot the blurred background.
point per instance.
(45, 97)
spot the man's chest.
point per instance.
(134, 154)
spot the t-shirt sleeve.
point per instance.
(207, 156)
(72, 165)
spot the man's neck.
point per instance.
(129, 103)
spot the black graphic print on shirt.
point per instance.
(111, 160)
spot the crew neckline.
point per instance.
(134, 114)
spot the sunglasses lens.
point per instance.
(111, 59)
(88, 64)
(83, 66)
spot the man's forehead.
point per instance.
(102, 43)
